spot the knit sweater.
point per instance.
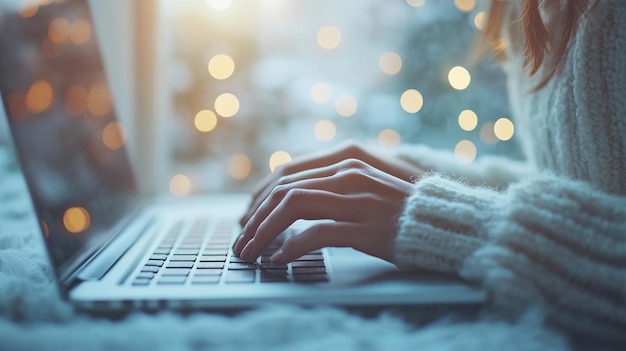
(550, 232)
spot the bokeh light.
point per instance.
(227, 105)
(468, 120)
(113, 136)
(205, 121)
(76, 219)
(180, 185)
(39, 97)
(279, 158)
(221, 66)
(390, 63)
(239, 166)
(465, 5)
(504, 129)
(465, 151)
(99, 102)
(59, 30)
(459, 77)
(328, 37)
(325, 130)
(29, 9)
(389, 138)
(479, 20)
(320, 92)
(346, 105)
(411, 101)
(81, 31)
(415, 3)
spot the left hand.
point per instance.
(363, 202)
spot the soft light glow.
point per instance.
(465, 5)
(328, 37)
(468, 120)
(459, 77)
(29, 9)
(205, 121)
(487, 134)
(76, 219)
(465, 151)
(75, 100)
(346, 105)
(221, 66)
(219, 5)
(113, 136)
(39, 97)
(390, 63)
(411, 101)
(320, 92)
(479, 20)
(180, 185)
(325, 130)
(99, 101)
(227, 105)
(504, 129)
(415, 3)
(389, 138)
(59, 30)
(279, 158)
(81, 31)
(239, 166)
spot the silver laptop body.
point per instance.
(115, 251)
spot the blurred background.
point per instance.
(214, 94)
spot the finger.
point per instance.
(299, 204)
(337, 234)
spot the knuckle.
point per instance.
(280, 191)
(352, 163)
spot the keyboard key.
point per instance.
(214, 252)
(210, 265)
(213, 259)
(188, 258)
(309, 270)
(157, 263)
(301, 264)
(273, 266)
(163, 251)
(186, 251)
(311, 257)
(205, 279)
(141, 282)
(274, 276)
(200, 272)
(145, 275)
(180, 265)
(240, 276)
(242, 266)
(310, 278)
(152, 269)
(172, 280)
(189, 246)
(176, 271)
(158, 257)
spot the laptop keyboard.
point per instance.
(201, 255)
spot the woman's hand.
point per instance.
(361, 201)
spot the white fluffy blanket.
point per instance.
(33, 317)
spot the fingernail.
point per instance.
(247, 250)
(277, 256)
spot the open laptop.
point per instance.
(113, 250)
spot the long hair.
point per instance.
(539, 44)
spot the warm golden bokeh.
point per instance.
(465, 5)
(81, 31)
(59, 30)
(30, 9)
(76, 219)
(346, 105)
(239, 166)
(459, 77)
(320, 92)
(479, 20)
(221, 67)
(39, 97)
(411, 101)
(465, 151)
(113, 136)
(325, 130)
(227, 105)
(504, 129)
(328, 37)
(205, 121)
(390, 63)
(180, 185)
(99, 101)
(389, 138)
(415, 3)
(279, 158)
(468, 120)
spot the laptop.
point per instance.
(115, 250)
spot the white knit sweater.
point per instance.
(550, 232)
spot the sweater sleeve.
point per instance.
(489, 170)
(546, 242)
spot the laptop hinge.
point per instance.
(97, 267)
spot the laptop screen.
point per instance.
(61, 116)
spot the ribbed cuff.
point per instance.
(443, 222)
